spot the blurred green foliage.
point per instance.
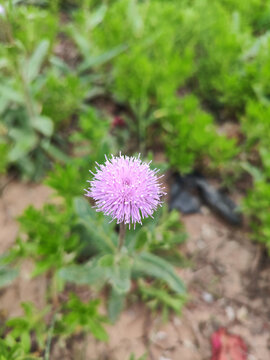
(191, 136)
(29, 336)
(157, 297)
(79, 316)
(22, 327)
(175, 67)
(174, 71)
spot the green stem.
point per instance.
(49, 339)
(27, 95)
(122, 233)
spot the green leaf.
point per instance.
(83, 210)
(24, 141)
(157, 267)
(54, 152)
(36, 60)
(162, 296)
(98, 16)
(120, 274)
(7, 275)
(100, 234)
(26, 341)
(97, 329)
(80, 40)
(115, 305)
(44, 125)
(83, 274)
(117, 271)
(134, 17)
(106, 261)
(98, 60)
(8, 93)
(60, 64)
(254, 171)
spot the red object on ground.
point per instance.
(226, 346)
(118, 121)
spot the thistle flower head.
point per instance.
(126, 189)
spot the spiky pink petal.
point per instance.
(126, 189)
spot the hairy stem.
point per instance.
(122, 232)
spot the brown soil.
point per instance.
(14, 198)
(228, 284)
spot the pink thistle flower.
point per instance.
(126, 189)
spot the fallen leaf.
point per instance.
(226, 346)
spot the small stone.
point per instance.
(205, 210)
(176, 321)
(242, 314)
(201, 244)
(207, 232)
(160, 336)
(230, 313)
(188, 344)
(207, 297)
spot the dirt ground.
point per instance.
(228, 284)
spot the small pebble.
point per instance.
(207, 232)
(242, 314)
(205, 210)
(176, 321)
(201, 244)
(160, 335)
(188, 344)
(230, 313)
(207, 297)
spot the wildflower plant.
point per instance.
(128, 190)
